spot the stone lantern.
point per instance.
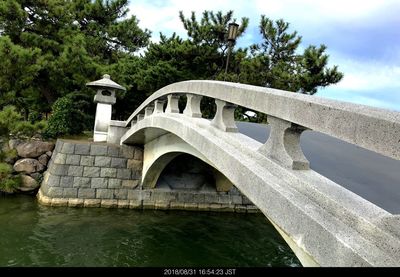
(105, 98)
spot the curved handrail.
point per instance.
(371, 128)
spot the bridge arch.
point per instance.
(322, 222)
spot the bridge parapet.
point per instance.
(289, 114)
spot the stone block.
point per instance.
(224, 198)
(109, 203)
(240, 209)
(146, 194)
(90, 171)
(73, 159)
(203, 206)
(104, 193)
(227, 208)
(82, 149)
(87, 160)
(148, 204)
(237, 199)
(59, 202)
(114, 183)
(134, 195)
(135, 204)
(44, 187)
(98, 150)
(138, 154)
(124, 173)
(75, 202)
(108, 172)
(121, 194)
(210, 198)
(177, 206)
(191, 206)
(55, 192)
(60, 158)
(86, 193)
(137, 174)
(186, 197)
(58, 169)
(126, 152)
(70, 193)
(130, 184)
(68, 148)
(66, 181)
(53, 181)
(59, 145)
(123, 204)
(135, 164)
(75, 170)
(99, 183)
(251, 209)
(91, 203)
(161, 205)
(198, 198)
(102, 161)
(214, 207)
(118, 163)
(113, 151)
(81, 182)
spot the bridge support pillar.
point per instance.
(224, 117)
(172, 106)
(193, 105)
(283, 144)
(140, 117)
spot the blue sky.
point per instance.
(362, 36)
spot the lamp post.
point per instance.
(232, 33)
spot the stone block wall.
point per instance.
(87, 174)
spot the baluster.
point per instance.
(224, 117)
(283, 144)
(140, 117)
(172, 105)
(159, 106)
(148, 111)
(193, 105)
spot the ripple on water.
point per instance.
(35, 235)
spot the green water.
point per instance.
(35, 235)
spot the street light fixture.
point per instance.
(232, 34)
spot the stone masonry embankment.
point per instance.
(87, 174)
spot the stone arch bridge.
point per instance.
(324, 223)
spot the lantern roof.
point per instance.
(105, 82)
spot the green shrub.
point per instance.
(8, 182)
(69, 117)
(12, 124)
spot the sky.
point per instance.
(362, 36)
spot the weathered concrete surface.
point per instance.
(368, 174)
(377, 129)
(325, 221)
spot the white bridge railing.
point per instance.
(289, 114)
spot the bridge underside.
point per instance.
(322, 222)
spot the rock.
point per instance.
(43, 159)
(28, 184)
(34, 149)
(37, 176)
(28, 166)
(13, 143)
(10, 160)
(49, 153)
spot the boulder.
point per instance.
(48, 153)
(43, 159)
(28, 184)
(34, 149)
(13, 143)
(28, 166)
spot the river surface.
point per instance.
(35, 235)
